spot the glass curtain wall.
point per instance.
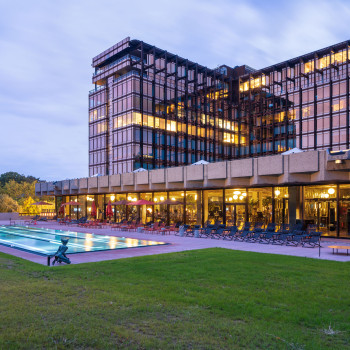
(89, 200)
(193, 208)
(160, 210)
(176, 208)
(133, 211)
(320, 208)
(235, 207)
(146, 211)
(344, 211)
(260, 205)
(99, 202)
(213, 205)
(110, 197)
(281, 205)
(82, 208)
(120, 209)
(73, 208)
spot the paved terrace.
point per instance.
(177, 244)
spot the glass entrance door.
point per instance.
(235, 214)
(323, 213)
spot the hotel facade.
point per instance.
(154, 110)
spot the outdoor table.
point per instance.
(340, 247)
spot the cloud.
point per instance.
(47, 46)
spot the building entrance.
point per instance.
(235, 214)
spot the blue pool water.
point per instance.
(46, 241)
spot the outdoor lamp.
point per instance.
(277, 192)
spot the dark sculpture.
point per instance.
(60, 255)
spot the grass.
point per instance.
(205, 299)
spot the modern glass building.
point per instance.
(153, 109)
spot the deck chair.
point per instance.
(231, 233)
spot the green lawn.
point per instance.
(204, 299)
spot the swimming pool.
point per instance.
(46, 241)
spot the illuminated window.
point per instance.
(309, 67)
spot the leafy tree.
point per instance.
(11, 175)
(7, 204)
(19, 191)
(27, 208)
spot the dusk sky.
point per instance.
(46, 49)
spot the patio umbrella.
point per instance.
(41, 203)
(169, 201)
(141, 202)
(122, 202)
(93, 209)
(61, 210)
(109, 211)
(72, 203)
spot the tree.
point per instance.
(11, 175)
(19, 191)
(7, 204)
(27, 208)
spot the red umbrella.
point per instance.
(72, 203)
(93, 209)
(122, 202)
(109, 211)
(141, 202)
(61, 210)
(41, 203)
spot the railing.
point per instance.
(97, 88)
(114, 63)
(133, 72)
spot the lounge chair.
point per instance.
(230, 233)
(313, 240)
(264, 236)
(219, 232)
(242, 235)
(279, 238)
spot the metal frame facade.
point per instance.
(153, 109)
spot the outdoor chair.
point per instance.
(167, 229)
(254, 237)
(285, 228)
(313, 240)
(242, 235)
(219, 232)
(268, 237)
(231, 233)
(118, 224)
(153, 228)
(206, 231)
(246, 226)
(296, 239)
(280, 238)
(268, 232)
